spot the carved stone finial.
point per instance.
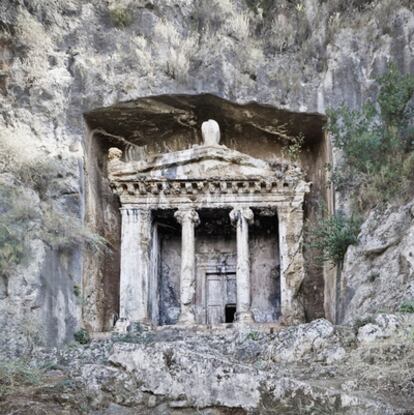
(210, 130)
(114, 153)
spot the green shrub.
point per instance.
(121, 17)
(253, 335)
(407, 307)
(331, 236)
(77, 290)
(377, 143)
(294, 147)
(21, 221)
(82, 336)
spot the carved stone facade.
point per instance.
(218, 196)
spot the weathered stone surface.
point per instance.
(384, 326)
(378, 273)
(249, 370)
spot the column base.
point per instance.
(121, 326)
(186, 318)
(244, 317)
(291, 319)
(124, 326)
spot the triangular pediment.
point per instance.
(196, 163)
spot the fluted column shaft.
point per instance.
(241, 217)
(189, 219)
(133, 301)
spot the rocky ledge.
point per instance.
(314, 368)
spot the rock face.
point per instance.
(378, 273)
(310, 368)
(61, 59)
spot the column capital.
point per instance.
(241, 212)
(289, 210)
(128, 210)
(187, 215)
(132, 213)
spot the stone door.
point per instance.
(220, 293)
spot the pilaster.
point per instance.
(292, 270)
(135, 238)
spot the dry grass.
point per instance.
(143, 56)
(238, 26)
(31, 34)
(176, 49)
(385, 369)
(64, 231)
(16, 373)
(28, 213)
(282, 33)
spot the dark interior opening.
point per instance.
(215, 223)
(169, 266)
(230, 312)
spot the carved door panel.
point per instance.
(231, 288)
(221, 291)
(215, 298)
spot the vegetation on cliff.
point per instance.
(28, 211)
(378, 145)
(377, 167)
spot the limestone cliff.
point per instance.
(61, 59)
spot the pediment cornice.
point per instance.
(196, 163)
(205, 174)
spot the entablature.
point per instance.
(209, 192)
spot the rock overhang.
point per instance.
(162, 117)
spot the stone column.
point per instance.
(242, 217)
(292, 271)
(135, 238)
(189, 219)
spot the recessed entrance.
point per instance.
(214, 300)
(230, 313)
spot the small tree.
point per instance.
(332, 235)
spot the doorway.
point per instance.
(230, 313)
(220, 297)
